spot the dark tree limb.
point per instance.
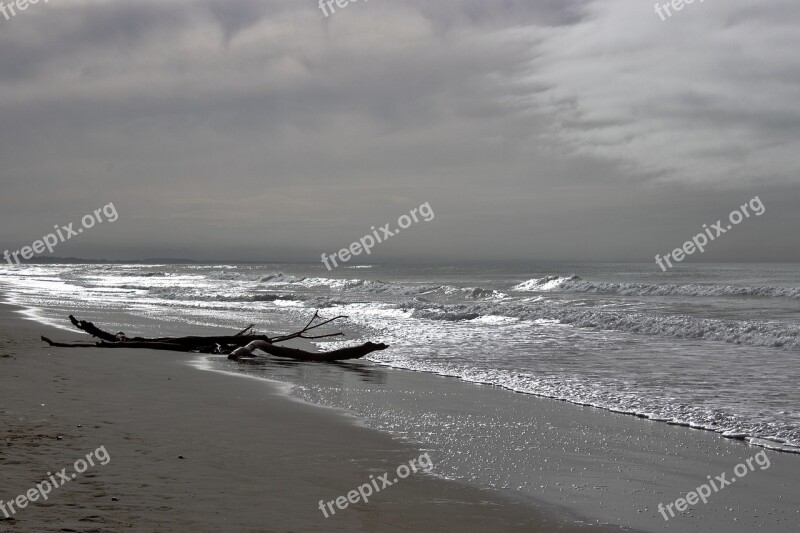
(191, 342)
(71, 345)
(94, 331)
(103, 344)
(245, 330)
(238, 346)
(355, 352)
(308, 327)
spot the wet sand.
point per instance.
(611, 467)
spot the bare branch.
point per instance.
(245, 330)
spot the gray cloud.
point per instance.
(261, 130)
(708, 95)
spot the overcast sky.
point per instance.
(536, 129)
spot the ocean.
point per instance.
(714, 347)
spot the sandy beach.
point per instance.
(202, 451)
(612, 467)
(198, 444)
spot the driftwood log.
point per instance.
(240, 346)
(355, 352)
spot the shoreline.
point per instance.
(590, 462)
(572, 461)
(766, 444)
(196, 450)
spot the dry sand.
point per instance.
(202, 451)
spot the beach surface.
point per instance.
(612, 467)
(196, 443)
(191, 450)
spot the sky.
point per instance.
(536, 130)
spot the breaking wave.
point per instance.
(748, 332)
(380, 287)
(575, 284)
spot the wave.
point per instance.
(772, 434)
(472, 303)
(545, 284)
(225, 276)
(575, 284)
(380, 287)
(279, 278)
(748, 332)
(440, 314)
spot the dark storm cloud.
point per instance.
(262, 130)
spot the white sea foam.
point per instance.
(578, 285)
(623, 354)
